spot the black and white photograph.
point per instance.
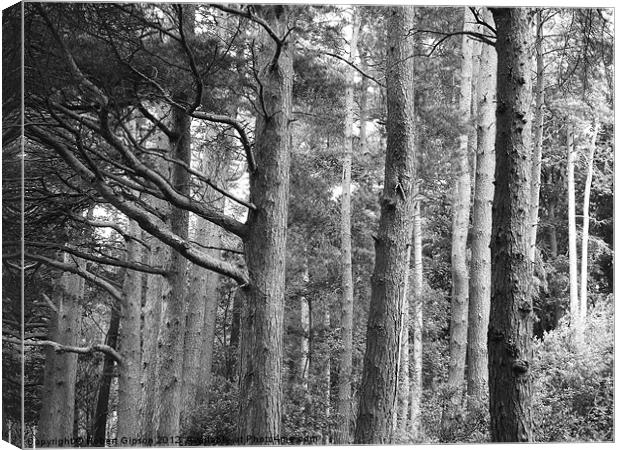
(233, 224)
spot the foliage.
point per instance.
(573, 398)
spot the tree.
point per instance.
(265, 242)
(460, 227)
(392, 244)
(346, 357)
(575, 312)
(510, 323)
(585, 234)
(480, 266)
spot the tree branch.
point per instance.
(60, 348)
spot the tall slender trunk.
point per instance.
(460, 225)
(155, 287)
(326, 377)
(58, 396)
(103, 395)
(392, 245)
(304, 319)
(265, 244)
(511, 319)
(575, 315)
(583, 297)
(480, 265)
(129, 342)
(235, 331)
(417, 320)
(202, 299)
(538, 134)
(346, 321)
(399, 424)
(173, 306)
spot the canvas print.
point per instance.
(301, 224)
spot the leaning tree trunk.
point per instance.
(480, 266)
(346, 321)
(575, 316)
(460, 227)
(510, 325)
(583, 296)
(103, 395)
(265, 243)
(538, 135)
(392, 245)
(129, 342)
(417, 320)
(58, 396)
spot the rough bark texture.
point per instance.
(417, 322)
(460, 226)
(585, 235)
(346, 320)
(129, 342)
(103, 395)
(202, 298)
(265, 244)
(575, 315)
(392, 245)
(480, 266)
(538, 135)
(510, 327)
(58, 397)
(172, 320)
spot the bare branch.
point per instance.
(60, 348)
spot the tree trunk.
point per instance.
(417, 321)
(583, 297)
(460, 227)
(58, 396)
(304, 319)
(575, 315)
(346, 321)
(235, 329)
(155, 288)
(510, 326)
(325, 382)
(103, 396)
(202, 299)
(265, 243)
(392, 245)
(480, 266)
(129, 342)
(538, 134)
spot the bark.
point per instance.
(510, 325)
(58, 396)
(583, 296)
(402, 411)
(202, 300)
(172, 321)
(265, 243)
(129, 343)
(417, 317)
(326, 372)
(346, 322)
(304, 319)
(538, 134)
(233, 342)
(392, 245)
(575, 315)
(103, 395)
(480, 266)
(460, 226)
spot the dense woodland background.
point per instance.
(216, 247)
